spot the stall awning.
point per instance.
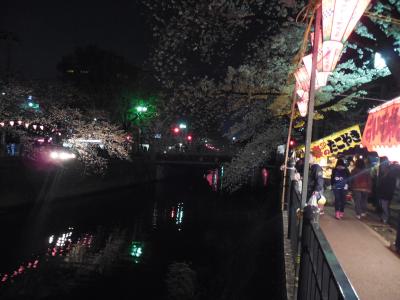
(382, 131)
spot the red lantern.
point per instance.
(302, 102)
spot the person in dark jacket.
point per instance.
(315, 179)
(339, 183)
(360, 185)
(386, 187)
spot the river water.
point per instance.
(176, 238)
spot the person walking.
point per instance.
(339, 183)
(386, 187)
(360, 185)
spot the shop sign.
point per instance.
(382, 131)
(335, 143)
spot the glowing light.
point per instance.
(19, 122)
(51, 239)
(339, 17)
(141, 108)
(2, 124)
(40, 140)
(30, 104)
(34, 126)
(11, 123)
(41, 127)
(136, 251)
(189, 137)
(176, 130)
(379, 62)
(182, 126)
(26, 125)
(55, 155)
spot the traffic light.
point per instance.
(176, 130)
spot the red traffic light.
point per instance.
(176, 130)
(189, 137)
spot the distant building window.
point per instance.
(70, 71)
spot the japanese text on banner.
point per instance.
(335, 143)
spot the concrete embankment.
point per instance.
(24, 183)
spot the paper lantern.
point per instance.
(302, 79)
(339, 17)
(302, 101)
(34, 126)
(382, 130)
(11, 123)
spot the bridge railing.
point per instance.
(320, 276)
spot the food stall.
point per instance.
(326, 150)
(382, 131)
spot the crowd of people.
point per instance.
(354, 179)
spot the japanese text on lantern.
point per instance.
(382, 128)
(337, 142)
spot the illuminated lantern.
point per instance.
(382, 132)
(19, 122)
(339, 17)
(11, 123)
(26, 125)
(41, 127)
(302, 79)
(2, 124)
(34, 126)
(302, 102)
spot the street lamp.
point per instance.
(141, 108)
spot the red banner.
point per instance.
(383, 126)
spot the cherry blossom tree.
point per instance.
(62, 116)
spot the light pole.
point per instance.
(140, 109)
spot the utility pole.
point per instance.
(310, 116)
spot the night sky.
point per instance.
(47, 30)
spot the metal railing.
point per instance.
(321, 276)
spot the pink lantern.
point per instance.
(321, 77)
(339, 17)
(302, 102)
(302, 79)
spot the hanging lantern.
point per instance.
(34, 126)
(19, 122)
(11, 123)
(41, 127)
(26, 125)
(302, 79)
(339, 17)
(302, 102)
(2, 124)
(381, 132)
(321, 78)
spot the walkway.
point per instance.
(372, 268)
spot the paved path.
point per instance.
(372, 268)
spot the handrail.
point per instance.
(321, 276)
